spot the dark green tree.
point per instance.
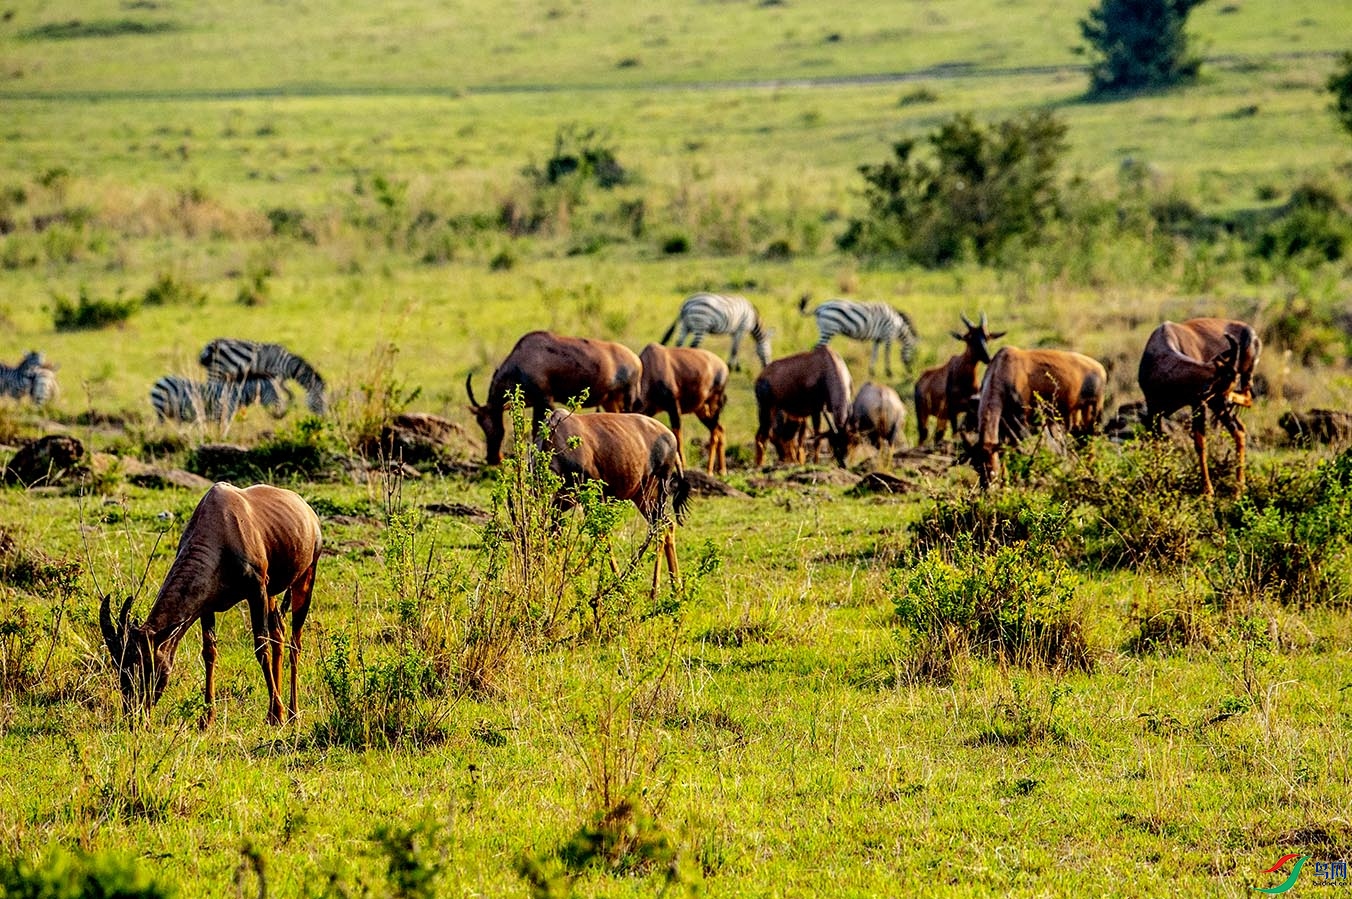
(1340, 85)
(1139, 45)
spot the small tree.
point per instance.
(977, 189)
(1340, 85)
(1139, 45)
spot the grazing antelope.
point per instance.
(712, 313)
(1205, 363)
(878, 323)
(805, 385)
(1024, 388)
(878, 414)
(249, 545)
(634, 456)
(945, 392)
(550, 368)
(677, 380)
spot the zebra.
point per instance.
(177, 398)
(232, 359)
(711, 313)
(877, 322)
(33, 377)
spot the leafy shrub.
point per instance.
(90, 313)
(171, 291)
(991, 520)
(675, 244)
(981, 189)
(1142, 506)
(1287, 547)
(1139, 45)
(379, 702)
(1014, 603)
(1312, 226)
(1340, 85)
(79, 875)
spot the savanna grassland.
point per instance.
(1160, 705)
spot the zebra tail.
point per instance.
(666, 338)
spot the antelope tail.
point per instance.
(680, 497)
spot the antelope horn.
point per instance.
(469, 388)
(983, 319)
(110, 634)
(965, 320)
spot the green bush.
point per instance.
(171, 291)
(1139, 45)
(1340, 85)
(79, 876)
(1014, 603)
(978, 189)
(992, 520)
(1290, 544)
(89, 313)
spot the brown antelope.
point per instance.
(549, 368)
(677, 380)
(1205, 363)
(250, 545)
(945, 392)
(1025, 388)
(805, 385)
(877, 413)
(634, 456)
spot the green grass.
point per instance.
(786, 749)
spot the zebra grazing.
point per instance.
(177, 398)
(33, 377)
(711, 313)
(231, 359)
(877, 322)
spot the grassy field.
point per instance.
(343, 178)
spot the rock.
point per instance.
(415, 437)
(702, 484)
(460, 510)
(46, 461)
(881, 482)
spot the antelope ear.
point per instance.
(957, 336)
(997, 335)
(110, 635)
(124, 617)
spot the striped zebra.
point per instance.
(877, 322)
(231, 359)
(33, 377)
(711, 313)
(176, 398)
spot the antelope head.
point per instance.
(489, 419)
(1227, 371)
(977, 337)
(143, 670)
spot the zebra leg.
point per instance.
(887, 357)
(696, 338)
(733, 364)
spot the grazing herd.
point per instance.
(1206, 364)
(255, 544)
